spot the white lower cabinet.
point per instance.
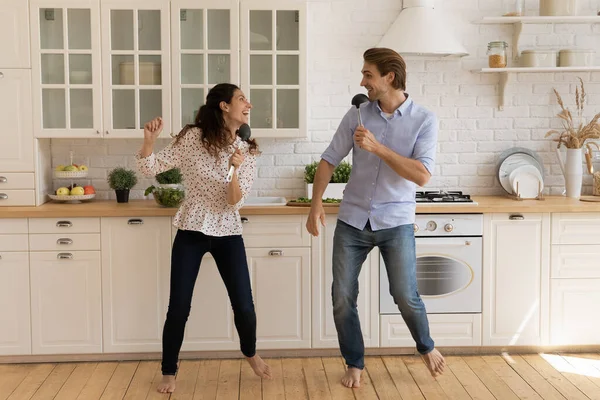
(135, 282)
(15, 329)
(66, 309)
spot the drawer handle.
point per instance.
(3, 179)
(1, 75)
(135, 221)
(64, 224)
(3, 196)
(276, 252)
(64, 256)
(245, 220)
(516, 217)
(64, 241)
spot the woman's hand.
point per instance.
(236, 159)
(152, 129)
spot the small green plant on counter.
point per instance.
(169, 177)
(122, 179)
(170, 192)
(307, 200)
(341, 173)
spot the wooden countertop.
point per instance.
(147, 208)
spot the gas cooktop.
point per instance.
(444, 197)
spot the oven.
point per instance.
(449, 264)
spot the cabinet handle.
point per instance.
(106, 132)
(3, 179)
(64, 241)
(245, 220)
(276, 252)
(64, 256)
(64, 224)
(0, 256)
(3, 196)
(97, 132)
(516, 217)
(135, 221)
(1, 75)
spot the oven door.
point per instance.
(449, 276)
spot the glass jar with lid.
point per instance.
(513, 8)
(497, 54)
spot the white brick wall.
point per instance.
(472, 130)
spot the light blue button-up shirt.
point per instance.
(375, 192)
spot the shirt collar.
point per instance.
(400, 110)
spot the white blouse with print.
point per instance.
(205, 208)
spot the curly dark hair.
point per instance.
(209, 119)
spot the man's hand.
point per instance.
(365, 139)
(317, 213)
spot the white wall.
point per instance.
(472, 130)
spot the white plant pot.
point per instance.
(574, 172)
(333, 191)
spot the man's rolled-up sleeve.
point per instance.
(426, 145)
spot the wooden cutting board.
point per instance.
(589, 198)
(297, 204)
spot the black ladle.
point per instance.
(244, 134)
(357, 101)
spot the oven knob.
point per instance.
(431, 226)
(415, 227)
(448, 228)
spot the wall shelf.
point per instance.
(587, 19)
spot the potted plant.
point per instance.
(335, 188)
(169, 192)
(121, 180)
(574, 135)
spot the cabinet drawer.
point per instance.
(575, 261)
(13, 225)
(66, 242)
(15, 180)
(9, 198)
(64, 225)
(14, 243)
(575, 228)
(275, 231)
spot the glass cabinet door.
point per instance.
(135, 58)
(274, 66)
(66, 68)
(204, 53)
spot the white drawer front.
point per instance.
(275, 231)
(446, 329)
(575, 228)
(10, 198)
(15, 180)
(14, 243)
(64, 242)
(13, 225)
(575, 261)
(64, 225)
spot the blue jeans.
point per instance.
(350, 249)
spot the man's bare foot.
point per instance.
(167, 384)
(435, 362)
(260, 367)
(352, 377)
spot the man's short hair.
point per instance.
(387, 60)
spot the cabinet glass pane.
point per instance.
(261, 30)
(124, 109)
(53, 68)
(261, 115)
(191, 100)
(288, 101)
(149, 29)
(53, 106)
(218, 68)
(82, 108)
(192, 29)
(123, 70)
(150, 105)
(192, 68)
(218, 30)
(150, 70)
(261, 70)
(121, 29)
(288, 30)
(288, 70)
(80, 69)
(80, 31)
(51, 28)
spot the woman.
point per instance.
(208, 219)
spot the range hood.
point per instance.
(421, 30)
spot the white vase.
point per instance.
(333, 191)
(572, 170)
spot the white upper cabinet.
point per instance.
(66, 82)
(273, 65)
(14, 31)
(204, 43)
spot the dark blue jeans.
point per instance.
(230, 256)
(351, 247)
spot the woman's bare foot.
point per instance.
(352, 377)
(167, 384)
(260, 368)
(435, 362)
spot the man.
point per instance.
(393, 152)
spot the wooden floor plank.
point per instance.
(250, 384)
(141, 384)
(76, 382)
(28, 386)
(316, 380)
(451, 385)
(532, 377)
(95, 386)
(208, 380)
(566, 369)
(585, 366)
(366, 390)
(229, 380)
(334, 370)
(490, 379)
(382, 381)
(514, 381)
(406, 385)
(153, 393)
(430, 388)
(293, 379)
(468, 379)
(556, 379)
(274, 388)
(54, 382)
(187, 376)
(119, 382)
(11, 377)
